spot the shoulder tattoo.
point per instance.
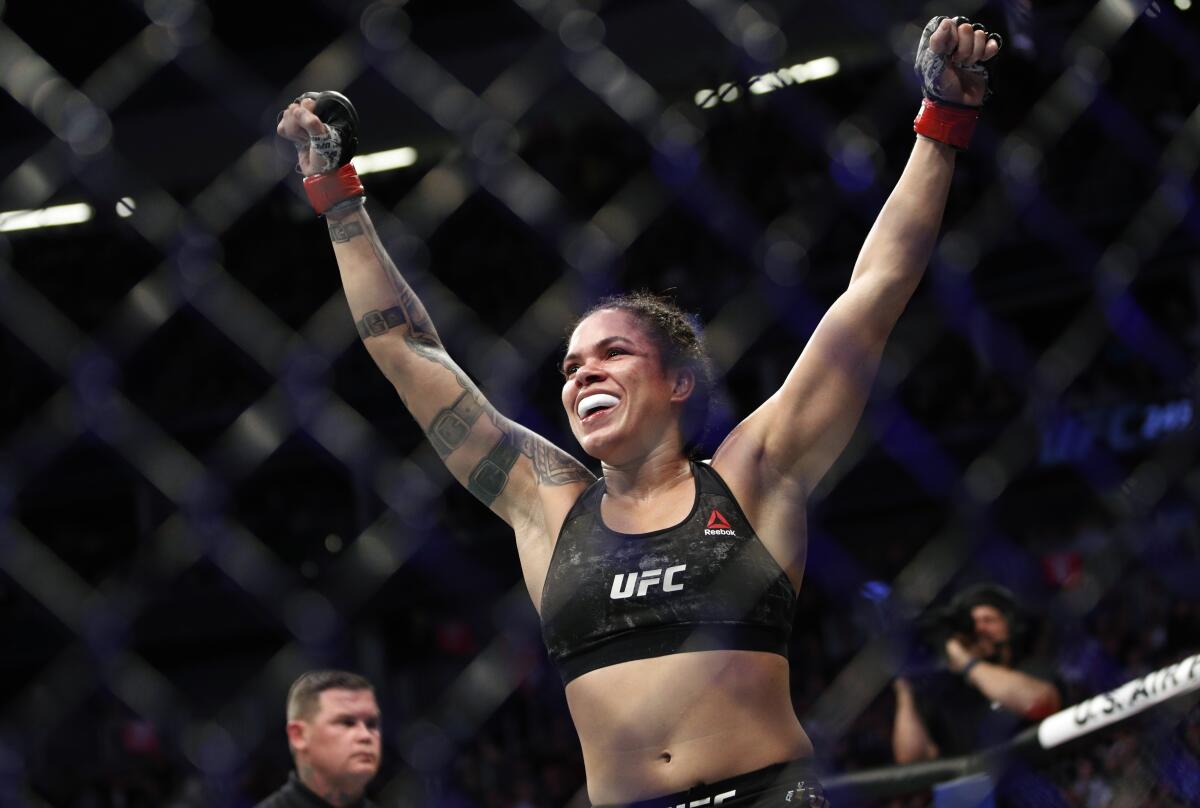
(551, 465)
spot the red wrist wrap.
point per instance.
(326, 190)
(946, 124)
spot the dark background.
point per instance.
(208, 488)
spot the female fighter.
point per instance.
(665, 587)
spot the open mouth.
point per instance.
(590, 407)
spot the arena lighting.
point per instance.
(11, 220)
(1183, 5)
(1072, 436)
(388, 160)
(821, 68)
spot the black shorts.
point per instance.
(786, 785)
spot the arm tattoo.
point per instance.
(452, 425)
(490, 477)
(336, 797)
(551, 465)
(377, 322)
(344, 231)
(422, 327)
(408, 309)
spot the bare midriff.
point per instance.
(657, 726)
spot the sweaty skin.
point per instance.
(660, 725)
(657, 726)
(665, 724)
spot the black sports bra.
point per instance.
(705, 584)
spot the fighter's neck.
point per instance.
(646, 477)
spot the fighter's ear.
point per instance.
(685, 383)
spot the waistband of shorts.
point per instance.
(775, 775)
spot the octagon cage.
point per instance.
(207, 487)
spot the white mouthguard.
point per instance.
(594, 401)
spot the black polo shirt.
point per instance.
(295, 794)
(961, 720)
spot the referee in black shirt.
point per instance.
(333, 731)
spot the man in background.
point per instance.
(989, 690)
(333, 729)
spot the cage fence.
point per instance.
(208, 489)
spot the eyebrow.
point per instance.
(604, 343)
(356, 716)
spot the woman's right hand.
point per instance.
(300, 125)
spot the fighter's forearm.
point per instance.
(901, 241)
(484, 450)
(396, 330)
(380, 298)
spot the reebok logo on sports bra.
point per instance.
(718, 525)
(623, 584)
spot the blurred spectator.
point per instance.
(1088, 790)
(989, 689)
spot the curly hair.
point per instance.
(680, 342)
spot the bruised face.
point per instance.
(619, 397)
(991, 629)
(341, 743)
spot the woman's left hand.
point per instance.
(951, 60)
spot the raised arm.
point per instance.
(504, 465)
(806, 424)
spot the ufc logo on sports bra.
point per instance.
(717, 800)
(626, 584)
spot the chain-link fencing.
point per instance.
(208, 488)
